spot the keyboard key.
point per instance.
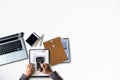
(10, 47)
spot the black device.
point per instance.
(39, 61)
(32, 39)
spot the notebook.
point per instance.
(12, 48)
(57, 53)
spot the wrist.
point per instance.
(26, 74)
(49, 73)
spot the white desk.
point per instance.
(93, 27)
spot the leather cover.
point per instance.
(57, 53)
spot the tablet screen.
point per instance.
(32, 39)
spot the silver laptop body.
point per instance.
(12, 49)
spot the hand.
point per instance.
(46, 68)
(29, 69)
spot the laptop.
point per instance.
(12, 48)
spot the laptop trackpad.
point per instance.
(3, 59)
(10, 57)
(15, 56)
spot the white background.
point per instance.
(93, 27)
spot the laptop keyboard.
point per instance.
(10, 47)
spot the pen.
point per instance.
(41, 39)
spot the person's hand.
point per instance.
(46, 68)
(29, 69)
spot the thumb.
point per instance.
(42, 65)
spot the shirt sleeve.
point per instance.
(55, 76)
(24, 77)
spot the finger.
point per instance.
(28, 65)
(42, 65)
(33, 69)
(46, 65)
(32, 65)
(43, 71)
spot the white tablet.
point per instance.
(66, 46)
(38, 56)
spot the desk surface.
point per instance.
(91, 25)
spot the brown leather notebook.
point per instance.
(57, 53)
